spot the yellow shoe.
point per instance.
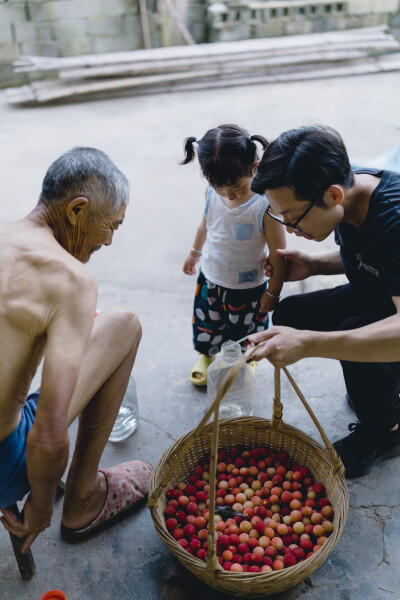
(198, 375)
(253, 364)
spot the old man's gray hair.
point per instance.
(87, 172)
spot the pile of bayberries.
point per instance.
(286, 516)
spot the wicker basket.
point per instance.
(179, 460)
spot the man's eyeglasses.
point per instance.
(295, 224)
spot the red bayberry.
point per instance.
(289, 560)
(171, 523)
(318, 488)
(189, 530)
(243, 548)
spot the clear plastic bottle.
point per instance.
(127, 420)
(238, 401)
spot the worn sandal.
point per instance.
(127, 488)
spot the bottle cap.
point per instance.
(54, 595)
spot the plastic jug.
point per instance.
(238, 401)
(127, 420)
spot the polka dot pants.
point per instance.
(221, 314)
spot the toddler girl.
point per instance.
(231, 299)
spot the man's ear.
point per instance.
(255, 165)
(77, 208)
(334, 194)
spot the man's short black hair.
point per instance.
(307, 160)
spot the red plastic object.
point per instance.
(54, 595)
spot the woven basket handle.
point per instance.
(338, 468)
(224, 387)
(212, 561)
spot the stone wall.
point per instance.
(68, 28)
(245, 19)
(73, 27)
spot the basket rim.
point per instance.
(253, 422)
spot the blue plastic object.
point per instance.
(389, 161)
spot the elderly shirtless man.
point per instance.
(48, 302)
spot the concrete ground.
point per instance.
(143, 271)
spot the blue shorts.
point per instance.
(14, 482)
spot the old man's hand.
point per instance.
(30, 526)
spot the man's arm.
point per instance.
(47, 442)
(327, 264)
(300, 265)
(377, 342)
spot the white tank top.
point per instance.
(235, 246)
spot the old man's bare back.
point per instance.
(43, 291)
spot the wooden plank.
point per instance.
(144, 85)
(253, 64)
(277, 4)
(196, 63)
(144, 18)
(205, 50)
(179, 23)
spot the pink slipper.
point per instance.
(127, 488)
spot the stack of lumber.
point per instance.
(266, 60)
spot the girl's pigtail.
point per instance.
(189, 150)
(259, 138)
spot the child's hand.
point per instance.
(267, 304)
(190, 263)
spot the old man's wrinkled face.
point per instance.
(99, 232)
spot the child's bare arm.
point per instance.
(276, 239)
(194, 255)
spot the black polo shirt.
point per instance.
(371, 253)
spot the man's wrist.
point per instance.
(310, 343)
(195, 252)
(326, 264)
(314, 266)
(320, 343)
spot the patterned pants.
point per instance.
(222, 314)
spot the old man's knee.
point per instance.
(125, 324)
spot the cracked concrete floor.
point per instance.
(142, 270)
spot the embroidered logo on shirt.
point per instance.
(246, 276)
(362, 265)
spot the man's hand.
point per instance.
(190, 263)
(33, 523)
(298, 265)
(282, 346)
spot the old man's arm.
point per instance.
(47, 443)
